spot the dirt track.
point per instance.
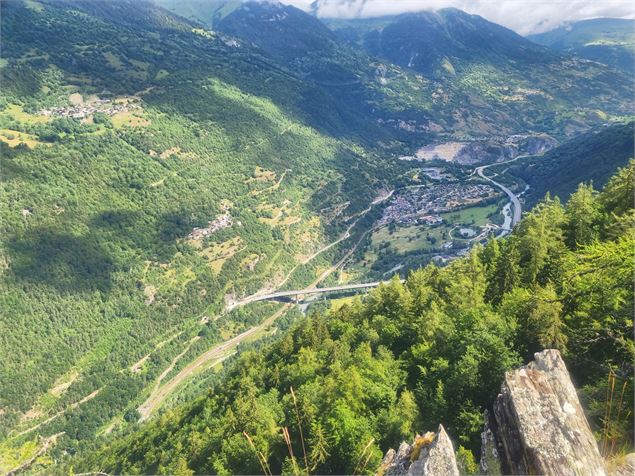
(208, 359)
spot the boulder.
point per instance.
(540, 425)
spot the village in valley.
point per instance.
(221, 221)
(423, 204)
(436, 220)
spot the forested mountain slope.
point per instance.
(426, 40)
(160, 49)
(488, 64)
(283, 31)
(353, 382)
(149, 169)
(605, 40)
(592, 157)
(203, 11)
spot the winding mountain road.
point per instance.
(516, 207)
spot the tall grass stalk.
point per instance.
(297, 416)
(372, 440)
(619, 413)
(287, 440)
(609, 410)
(261, 458)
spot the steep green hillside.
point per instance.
(429, 42)
(201, 11)
(151, 47)
(591, 157)
(283, 31)
(606, 40)
(156, 172)
(350, 384)
(123, 130)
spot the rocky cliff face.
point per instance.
(537, 426)
(540, 424)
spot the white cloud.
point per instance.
(523, 16)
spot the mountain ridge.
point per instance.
(606, 40)
(509, 80)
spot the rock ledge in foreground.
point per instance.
(541, 427)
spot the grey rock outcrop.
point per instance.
(396, 463)
(537, 427)
(427, 456)
(540, 425)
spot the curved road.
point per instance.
(517, 209)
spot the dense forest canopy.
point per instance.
(359, 379)
(593, 156)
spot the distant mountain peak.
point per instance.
(425, 39)
(281, 30)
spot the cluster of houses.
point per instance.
(424, 204)
(221, 221)
(81, 111)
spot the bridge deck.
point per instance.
(345, 287)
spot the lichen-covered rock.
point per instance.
(430, 455)
(437, 459)
(540, 424)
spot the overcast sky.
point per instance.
(523, 16)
